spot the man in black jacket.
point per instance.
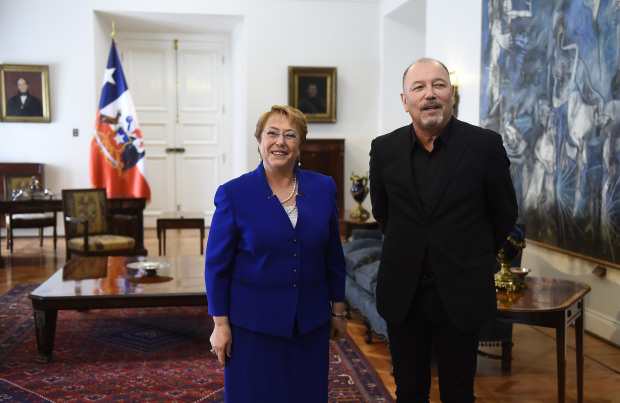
(23, 103)
(442, 193)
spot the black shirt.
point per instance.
(425, 166)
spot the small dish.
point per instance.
(520, 271)
(148, 266)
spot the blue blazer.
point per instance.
(260, 271)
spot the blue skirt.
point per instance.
(272, 369)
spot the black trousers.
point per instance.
(427, 328)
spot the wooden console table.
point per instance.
(133, 206)
(129, 206)
(550, 303)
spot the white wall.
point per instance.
(72, 37)
(403, 41)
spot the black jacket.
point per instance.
(32, 106)
(474, 208)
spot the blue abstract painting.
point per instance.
(550, 85)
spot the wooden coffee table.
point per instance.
(107, 283)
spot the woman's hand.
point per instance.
(338, 326)
(221, 338)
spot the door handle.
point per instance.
(175, 150)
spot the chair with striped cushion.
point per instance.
(90, 230)
(13, 183)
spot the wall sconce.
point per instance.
(454, 80)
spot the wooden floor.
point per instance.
(533, 376)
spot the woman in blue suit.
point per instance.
(275, 272)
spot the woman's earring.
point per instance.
(299, 161)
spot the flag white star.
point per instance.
(107, 76)
(120, 139)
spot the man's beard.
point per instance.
(432, 123)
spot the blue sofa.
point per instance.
(362, 254)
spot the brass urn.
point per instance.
(514, 244)
(359, 191)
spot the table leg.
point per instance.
(560, 346)
(202, 239)
(579, 336)
(506, 356)
(55, 233)
(164, 239)
(45, 324)
(159, 237)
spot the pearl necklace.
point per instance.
(292, 192)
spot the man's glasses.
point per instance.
(289, 137)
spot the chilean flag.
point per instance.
(117, 151)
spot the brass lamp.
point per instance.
(454, 80)
(514, 244)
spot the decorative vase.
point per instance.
(359, 191)
(514, 244)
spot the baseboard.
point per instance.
(603, 327)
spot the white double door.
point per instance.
(180, 91)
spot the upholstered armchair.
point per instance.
(90, 230)
(22, 185)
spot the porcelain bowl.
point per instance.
(520, 271)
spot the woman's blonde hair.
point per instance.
(295, 115)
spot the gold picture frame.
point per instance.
(312, 90)
(34, 80)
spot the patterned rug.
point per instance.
(139, 355)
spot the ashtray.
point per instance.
(149, 267)
(520, 271)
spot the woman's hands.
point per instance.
(221, 338)
(338, 326)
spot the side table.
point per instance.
(178, 221)
(354, 223)
(553, 303)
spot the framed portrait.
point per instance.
(24, 93)
(312, 90)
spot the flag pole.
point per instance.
(113, 34)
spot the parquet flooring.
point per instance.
(532, 380)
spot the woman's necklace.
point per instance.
(292, 192)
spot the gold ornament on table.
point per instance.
(359, 191)
(514, 244)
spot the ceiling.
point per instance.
(170, 22)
